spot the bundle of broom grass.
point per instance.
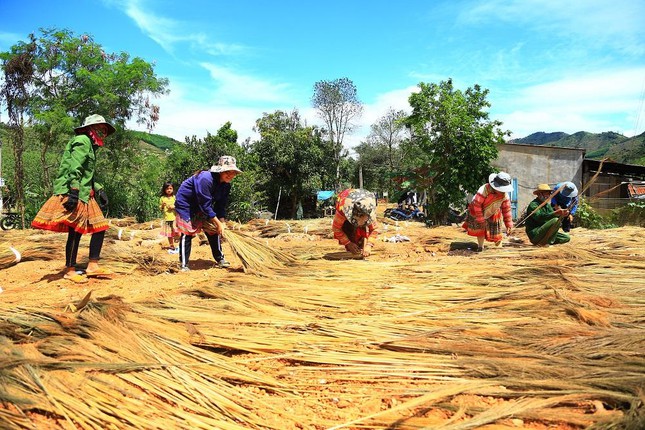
(254, 255)
(11, 255)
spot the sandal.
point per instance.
(75, 277)
(101, 272)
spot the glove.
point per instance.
(102, 199)
(72, 200)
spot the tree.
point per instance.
(374, 164)
(18, 77)
(338, 106)
(198, 154)
(290, 156)
(72, 77)
(385, 138)
(456, 142)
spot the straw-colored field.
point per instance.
(423, 334)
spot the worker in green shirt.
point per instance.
(75, 207)
(544, 222)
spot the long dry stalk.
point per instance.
(254, 255)
(551, 335)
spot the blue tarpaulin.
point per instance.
(324, 195)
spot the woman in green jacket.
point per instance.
(75, 207)
(543, 224)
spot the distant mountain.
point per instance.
(619, 148)
(540, 138)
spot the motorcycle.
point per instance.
(411, 213)
(10, 221)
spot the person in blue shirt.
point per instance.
(567, 198)
(200, 205)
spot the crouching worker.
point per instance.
(354, 223)
(567, 198)
(490, 210)
(200, 205)
(543, 222)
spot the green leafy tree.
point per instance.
(198, 154)
(380, 155)
(18, 74)
(289, 156)
(70, 77)
(373, 164)
(338, 106)
(454, 140)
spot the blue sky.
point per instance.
(549, 65)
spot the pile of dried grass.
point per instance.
(549, 336)
(122, 222)
(127, 233)
(254, 255)
(24, 245)
(270, 228)
(125, 257)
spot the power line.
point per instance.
(639, 110)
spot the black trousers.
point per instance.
(566, 224)
(74, 240)
(185, 247)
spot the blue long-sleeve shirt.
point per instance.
(204, 193)
(564, 202)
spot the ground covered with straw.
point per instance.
(425, 333)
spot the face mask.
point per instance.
(97, 138)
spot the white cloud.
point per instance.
(168, 33)
(232, 86)
(595, 103)
(617, 24)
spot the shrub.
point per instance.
(631, 214)
(587, 217)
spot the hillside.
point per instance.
(622, 149)
(162, 143)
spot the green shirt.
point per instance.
(77, 168)
(538, 219)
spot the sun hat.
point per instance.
(542, 187)
(501, 182)
(225, 164)
(360, 202)
(569, 189)
(94, 120)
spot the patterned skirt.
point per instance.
(491, 229)
(85, 218)
(195, 225)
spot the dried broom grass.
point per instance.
(254, 255)
(9, 256)
(422, 333)
(128, 234)
(122, 222)
(126, 256)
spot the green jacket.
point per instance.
(539, 218)
(77, 168)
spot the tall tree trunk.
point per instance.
(19, 173)
(47, 143)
